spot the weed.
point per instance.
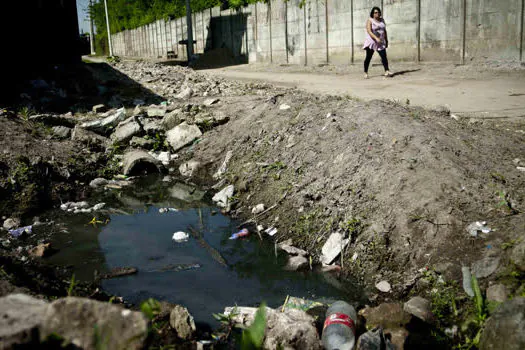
(25, 113)
(72, 285)
(277, 166)
(510, 244)
(253, 336)
(150, 308)
(498, 177)
(160, 142)
(354, 227)
(505, 203)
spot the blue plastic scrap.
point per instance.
(17, 232)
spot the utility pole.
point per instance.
(189, 46)
(91, 31)
(109, 31)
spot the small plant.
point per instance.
(72, 285)
(253, 336)
(25, 113)
(160, 142)
(277, 166)
(150, 308)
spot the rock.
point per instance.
(11, 223)
(485, 267)
(88, 137)
(205, 121)
(99, 108)
(98, 182)
(151, 126)
(259, 208)
(164, 158)
(185, 94)
(210, 101)
(220, 118)
(53, 120)
(21, 316)
(284, 107)
(467, 281)
(98, 206)
(156, 111)
(497, 293)
(387, 315)
(141, 142)
(375, 340)
(504, 329)
(102, 125)
(136, 161)
(223, 197)
(332, 248)
(189, 168)
(384, 286)
(62, 132)
(518, 255)
(119, 272)
(292, 329)
(126, 130)
(224, 166)
(182, 322)
(171, 120)
(296, 263)
(40, 250)
(82, 321)
(182, 135)
(421, 308)
(287, 247)
(186, 193)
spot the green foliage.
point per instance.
(72, 285)
(150, 308)
(478, 298)
(253, 336)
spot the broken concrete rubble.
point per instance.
(182, 135)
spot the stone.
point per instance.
(88, 137)
(21, 317)
(287, 247)
(102, 125)
(171, 120)
(100, 108)
(221, 118)
(211, 101)
(189, 168)
(182, 322)
(119, 272)
(82, 321)
(182, 135)
(98, 182)
(297, 263)
(222, 198)
(53, 120)
(185, 94)
(259, 208)
(11, 223)
(186, 193)
(504, 329)
(224, 166)
(151, 126)
(284, 107)
(421, 308)
(384, 286)
(164, 158)
(156, 111)
(485, 267)
(333, 247)
(126, 130)
(136, 160)
(387, 315)
(375, 340)
(62, 132)
(40, 250)
(291, 329)
(497, 293)
(141, 142)
(205, 121)
(518, 255)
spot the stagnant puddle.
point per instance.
(205, 273)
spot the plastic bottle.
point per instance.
(242, 233)
(339, 327)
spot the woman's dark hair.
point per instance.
(374, 9)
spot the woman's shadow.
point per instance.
(402, 72)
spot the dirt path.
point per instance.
(465, 90)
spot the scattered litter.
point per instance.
(521, 168)
(99, 206)
(17, 232)
(467, 281)
(165, 210)
(384, 286)
(354, 257)
(478, 226)
(180, 237)
(455, 117)
(284, 107)
(259, 208)
(271, 231)
(242, 233)
(260, 228)
(375, 339)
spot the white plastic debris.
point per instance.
(284, 107)
(467, 281)
(180, 237)
(271, 231)
(520, 168)
(259, 208)
(478, 226)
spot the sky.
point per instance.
(83, 23)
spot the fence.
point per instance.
(333, 31)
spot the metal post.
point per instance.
(271, 39)
(326, 29)
(305, 38)
(352, 59)
(189, 25)
(522, 18)
(418, 29)
(109, 31)
(91, 31)
(286, 30)
(463, 30)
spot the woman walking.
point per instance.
(376, 40)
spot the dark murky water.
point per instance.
(143, 239)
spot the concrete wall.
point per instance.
(333, 31)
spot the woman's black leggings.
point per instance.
(370, 53)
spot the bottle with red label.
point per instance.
(339, 327)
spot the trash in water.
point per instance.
(165, 210)
(271, 231)
(242, 233)
(180, 237)
(475, 227)
(17, 232)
